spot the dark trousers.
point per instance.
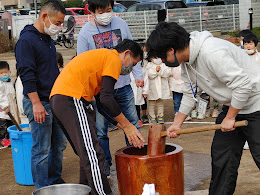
(4, 124)
(227, 149)
(77, 120)
(138, 109)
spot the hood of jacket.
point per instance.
(31, 29)
(196, 41)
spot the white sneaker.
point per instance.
(246, 146)
(200, 116)
(188, 118)
(215, 113)
(193, 114)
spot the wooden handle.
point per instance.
(204, 128)
(14, 108)
(14, 121)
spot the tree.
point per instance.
(74, 3)
(44, 1)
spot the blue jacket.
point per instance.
(35, 54)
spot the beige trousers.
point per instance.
(151, 107)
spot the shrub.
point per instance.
(4, 43)
(256, 31)
(233, 33)
(74, 3)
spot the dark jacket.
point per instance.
(36, 62)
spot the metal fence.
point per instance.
(224, 18)
(3, 26)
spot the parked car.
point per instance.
(32, 12)
(24, 11)
(156, 5)
(75, 11)
(197, 4)
(128, 3)
(205, 3)
(215, 3)
(117, 8)
(12, 11)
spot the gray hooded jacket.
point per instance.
(223, 71)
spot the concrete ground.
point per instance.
(197, 161)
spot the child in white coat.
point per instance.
(141, 93)
(6, 88)
(158, 74)
(250, 46)
(175, 84)
(250, 42)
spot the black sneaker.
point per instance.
(58, 181)
(144, 119)
(107, 169)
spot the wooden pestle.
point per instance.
(157, 135)
(205, 128)
(156, 143)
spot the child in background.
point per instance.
(241, 36)
(59, 61)
(139, 99)
(145, 92)
(6, 88)
(250, 42)
(141, 93)
(19, 99)
(250, 46)
(175, 84)
(158, 74)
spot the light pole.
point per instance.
(35, 7)
(250, 12)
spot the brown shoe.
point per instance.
(208, 113)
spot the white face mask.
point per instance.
(104, 19)
(250, 52)
(157, 61)
(241, 43)
(145, 55)
(52, 30)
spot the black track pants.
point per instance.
(227, 149)
(77, 119)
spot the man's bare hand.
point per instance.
(170, 131)
(39, 112)
(134, 136)
(228, 125)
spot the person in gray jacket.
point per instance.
(231, 77)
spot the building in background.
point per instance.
(15, 4)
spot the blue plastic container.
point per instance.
(21, 142)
